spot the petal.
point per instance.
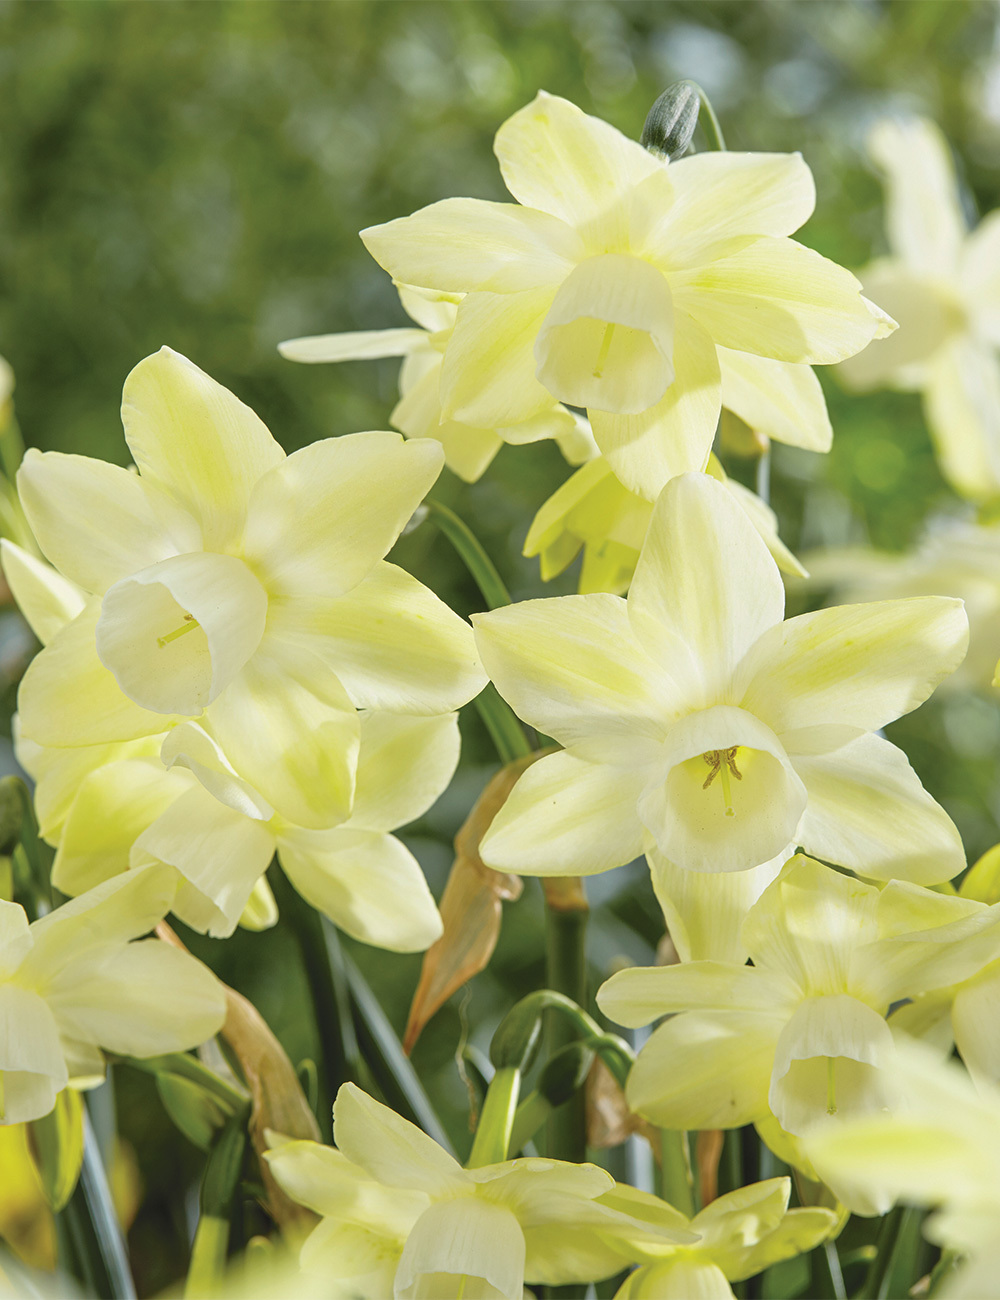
(705, 575)
(454, 1241)
(974, 1020)
(358, 345)
(58, 774)
(368, 884)
(324, 1180)
(198, 440)
(94, 521)
(683, 1278)
(391, 1149)
(221, 853)
(404, 765)
(488, 377)
(721, 196)
(776, 298)
(47, 600)
(856, 665)
(799, 1232)
(980, 275)
(868, 811)
(393, 644)
(288, 727)
(121, 1006)
(465, 245)
(783, 401)
(705, 1070)
(113, 806)
(835, 1056)
(705, 911)
(190, 746)
(467, 451)
(962, 406)
(566, 816)
(67, 697)
(674, 436)
(607, 340)
(573, 667)
(638, 995)
(15, 936)
(557, 158)
(924, 217)
(322, 519)
(31, 1057)
(765, 521)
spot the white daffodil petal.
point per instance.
(674, 436)
(561, 160)
(121, 1005)
(800, 1231)
(567, 817)
(860, 665)
(962, 405)
(776, 298)
(176, 634)
(32, 1065)
(573, 668)
(320, 522)
(835, 1056)
(357, 345)
(783, 401)
(488, 377)
(607, 341)
(639, 995)
(288, 727)
(974, 1020)
(707, 1069)
(392, 643)
(980, 275)
(465, 245)
(94, 521)
(404, 765)
(706, 575)
(391, 1149)
(924, 217)
(190, 746)
(683, 1278)
(705, 911)
(467, 1247)
(868, 811)
(47, 600)
(15, 937)
(67, 696)
(367, 883)
(198, 440)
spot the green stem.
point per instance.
(529, 1118)
(208, 1257)
(877, 1283)
(219, 1191)
(677, 1183)
(493, 1133)
(472, 553)
(826, 1277)
(710, 123)
(505, 731)
(566, 972)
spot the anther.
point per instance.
(722, 762)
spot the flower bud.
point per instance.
(671, 121)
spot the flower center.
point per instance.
(189, 625)
(721, 763)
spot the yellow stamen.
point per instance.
(461, 1287)
(602, 356)
(722, 762)
(189, 625)
(831, 1089)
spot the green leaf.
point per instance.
(56, 1142)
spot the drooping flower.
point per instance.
(402, 1218)
(943, 285)
(229, 581)
(696, 723)
(801, 1033)
(81, 979)
(468, 450)
(613, 281)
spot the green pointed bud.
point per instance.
(197, 1114)
(565, 1073)
(6, 879)
(56, 1142)
(12, 795)
(671, 121)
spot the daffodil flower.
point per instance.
(615, 278)
(697, 723)
(74, 982)
(942, 282)
(595, 512)
(468, 450)
(739, 1235)
(802, 1032)
(401, 1217)
(230, 581)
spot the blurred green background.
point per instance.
(195, 173)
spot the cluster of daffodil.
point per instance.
(232, 672)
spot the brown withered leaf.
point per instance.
(276, 1098)
(471, 908)
(609, 1120)
(708, 1152)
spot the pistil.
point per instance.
(722, 762)
(189, 625)
(602, 355)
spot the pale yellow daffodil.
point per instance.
(699, 725)
(801, 1033)
(942, 283)
(81, 979)
(468, 450)
(614, 280)
(595, 512)
(739, 1235)
(402, 1218)
(229, 581)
